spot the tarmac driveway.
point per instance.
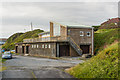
(32, 67)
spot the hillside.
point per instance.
(104, 37)
(18, 37)
(105, 63)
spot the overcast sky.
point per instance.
(17, 16)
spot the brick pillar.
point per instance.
(90, 49)
(51, 29)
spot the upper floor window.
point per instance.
(56, 29)
(81, 33)
(88, 34)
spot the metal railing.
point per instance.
(75, 45)
(46, 39)
(56, 38)
(72, 41)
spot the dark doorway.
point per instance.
(23, 47)
(16, 50)
(64, 50)
(27, 49)
(85, 48)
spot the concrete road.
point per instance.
(32, 67)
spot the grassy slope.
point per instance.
(103, 65)
(18, 37)
(104, 37)
(11, 39)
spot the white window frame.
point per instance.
(49, 46)
(81, 33)
(45, 45)
(37, 45)
(34, 46)
(42, 45)
(89, 34)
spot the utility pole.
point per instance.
(31, 27)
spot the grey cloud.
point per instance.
(59, 0)
(87, 13)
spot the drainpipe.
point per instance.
(92, 40)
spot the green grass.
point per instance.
(2, 68)
(18, 37)
(3, 60)
(104, 65)
(104, 37)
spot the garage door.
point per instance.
(64, 50)
(27, 49)
(85, 48)
(23, 49)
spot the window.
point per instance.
(81, 33)
(42, 45)
(46, 46)
(88, 34)
(56, 30)
(34, 46)
(37, 46)
(49, 46)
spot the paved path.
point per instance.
(31, 67)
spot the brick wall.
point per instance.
(74, 33)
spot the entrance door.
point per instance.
(23, 47)
(16, 50)
(27, 49)
(85, 48)
(64, 50)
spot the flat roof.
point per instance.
(39, 42)
(44, 33)
(71, 25)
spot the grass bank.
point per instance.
(104, 37)
(104, 65)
